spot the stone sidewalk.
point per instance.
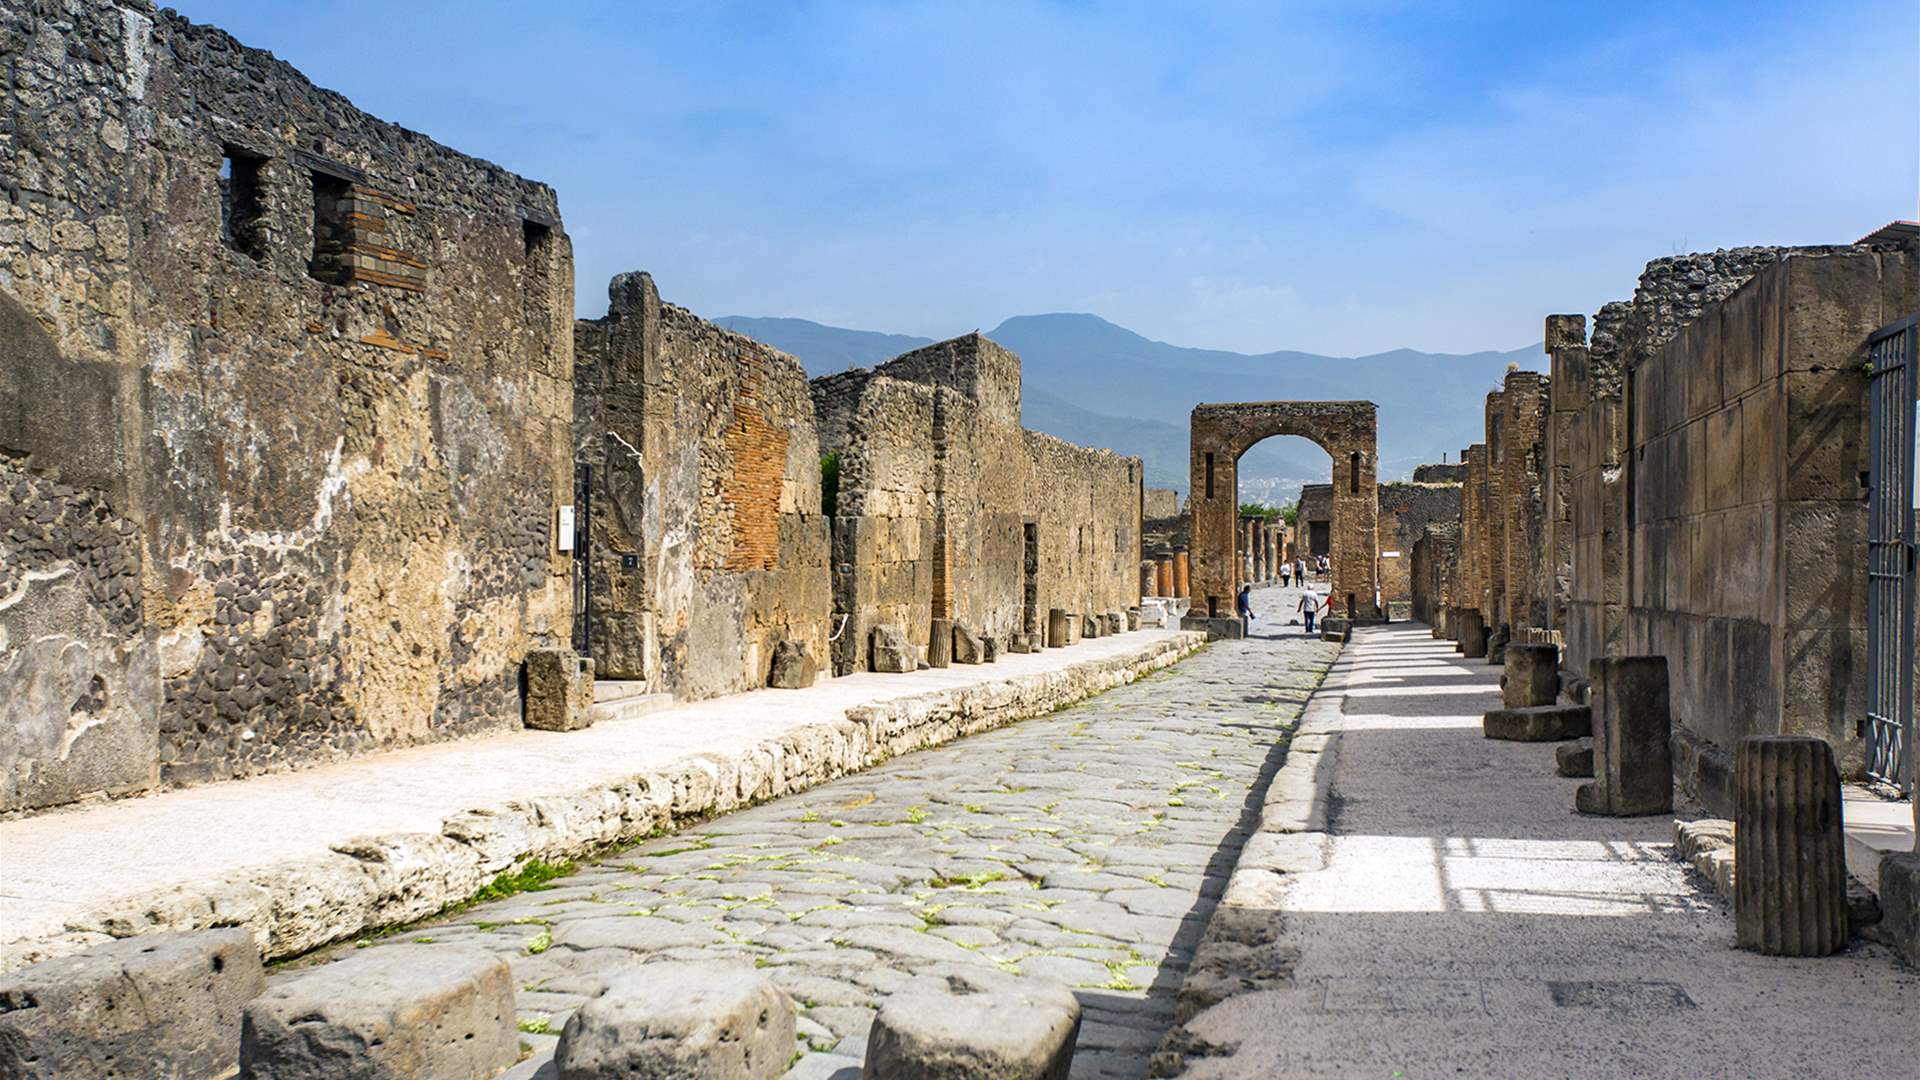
(316, 856)
(1085, 847)
(1456, 918)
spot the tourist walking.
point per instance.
(1243, 605)
(1309, 607)
(1286, 574)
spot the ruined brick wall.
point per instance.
(1406, 511)
(949, 509)
(1471, 567)
(1494, 516)
(1746, 521)
(328, 391)
(709, 544)
(1451, 473)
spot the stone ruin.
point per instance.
(295, 410)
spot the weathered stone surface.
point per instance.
(1116, 622)
(1021, 643)
(1532, 676)
(1900, 904)
(1790, 883)
(891, 651)
(1133, 618)
(974, 1025)
(1574, 758)
(559, 690)
(1472, 633)
(166, 1006)
(967, 647)
(676, 1021)
(1539, 723)
(1632, 762)
(793, 667)
(940, 643)
(1063, 628)
(1093, 626)
(410, 1013)
(1220, 629)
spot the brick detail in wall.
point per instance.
(751, 490)
(359, 247)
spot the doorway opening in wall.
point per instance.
(1030, 578)
(1888, 724)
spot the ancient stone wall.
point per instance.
(708, 542)
(1747, 512)
(1434, 571)
(1450, 473)
(306, 373)
(949, 509)
(1470, 569)
(1315, 520)
(1595, 605)
(1492, 538)
(1406, 510)
(1522, 506)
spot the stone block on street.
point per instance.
(1532, 676)
(940, 643)
(160, 1005)
(793, 667)
(1900, 904)
(1116, 623)
(1063, 628)
(1632, 738)
(974, 1025)
(1472, 633)
(399, 1012)
(1539, 723)
(1133, 618)
(677, 1021)
(1574, 758)
(559, 690)
(1093, 626)
(891, 651)
(968, 647)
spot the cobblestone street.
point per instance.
(1085, 847)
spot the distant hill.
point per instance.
(1089, 381)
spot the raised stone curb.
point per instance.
(1242, 949)
(363, 884)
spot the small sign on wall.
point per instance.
(565, 528)
(1389, 554)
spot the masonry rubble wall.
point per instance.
(1523, 505)
(1406, 510)
(1435, 571)
(948, 508)
(1160, 504)
(709, 541)
(1447, 473)
(268, 358)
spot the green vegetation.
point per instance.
(542, 1026)
(533, 877)
(829, 483)
(1259, 510)
(1290, 513)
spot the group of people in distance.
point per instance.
(1311, 603)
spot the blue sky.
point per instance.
(1342, 177)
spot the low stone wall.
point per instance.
(377, 881)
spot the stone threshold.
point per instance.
(428, 836)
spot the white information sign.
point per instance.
(566, 528)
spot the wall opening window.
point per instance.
(329, 227)
(241, 227)
(1353, 472)
(1209, 474)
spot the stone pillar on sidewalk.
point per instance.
(1632, 738)
(940, 644)
(1789, 870)
(1532, 676)
(1182, 575)
(1473, 633)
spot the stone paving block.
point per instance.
(164, 1005)
(1540, 723)
(410, 1011)
(974, 1025)
(669, 1021)
(824, 1067)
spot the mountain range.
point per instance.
(1091, 382)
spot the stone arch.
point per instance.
(1346, 430)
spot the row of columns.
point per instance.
(1169, 575)
(1263, 547)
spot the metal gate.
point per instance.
(1890, 561)
(582, 564)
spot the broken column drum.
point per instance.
(1532, 676)
(1790, 874)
